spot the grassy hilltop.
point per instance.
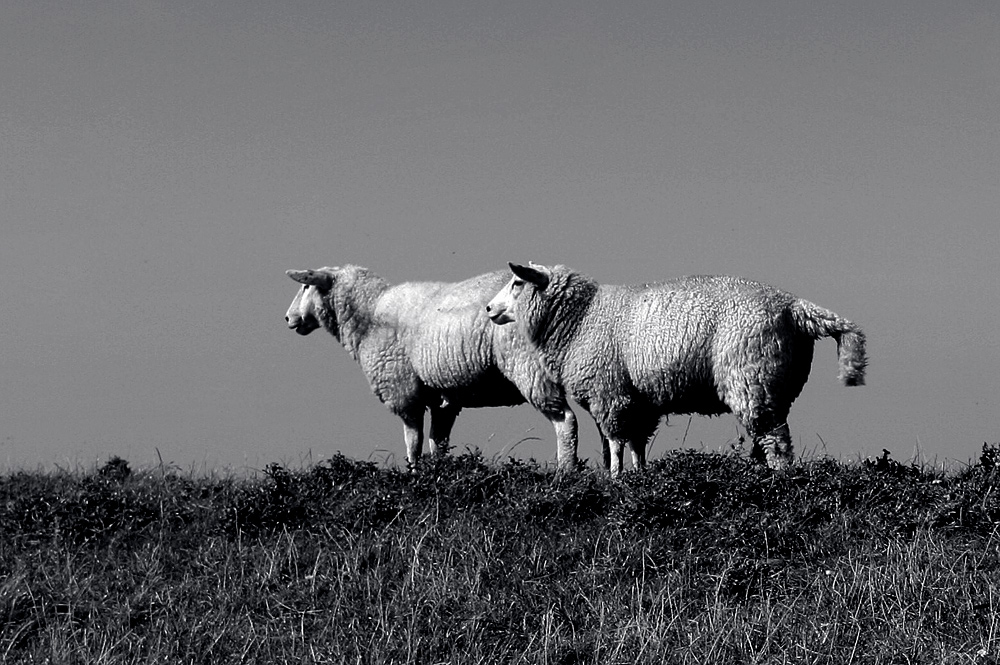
(703, 558)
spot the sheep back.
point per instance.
(444, 332)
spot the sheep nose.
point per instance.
(489, 309)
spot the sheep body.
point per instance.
(430, 345)
(702, 344)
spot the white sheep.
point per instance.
(430, 345)
(704, 344)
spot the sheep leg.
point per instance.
(442, 420)
(616, 450)
(638, 449)
(773, 446)
(564, 423)
(766, 426)
(413, 435)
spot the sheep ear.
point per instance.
(321, 280)
(537, 275)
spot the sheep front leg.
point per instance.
(413, 435)
(564, 423)
(442, 420)
(616, 449)
(605, 452)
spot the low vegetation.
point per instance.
(702, 558)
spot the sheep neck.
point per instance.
(557, 315)
(351, 310)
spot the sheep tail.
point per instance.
(817, 322)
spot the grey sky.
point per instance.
(165, 162)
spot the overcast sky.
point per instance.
(165, 162)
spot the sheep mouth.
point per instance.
(501, 318)
(301, 328)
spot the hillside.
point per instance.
(702, 558)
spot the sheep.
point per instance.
(700, 344)
(430, 345)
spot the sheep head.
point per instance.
(302, 315)
(501, 309)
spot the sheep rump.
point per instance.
(701, 344)
(429, 345)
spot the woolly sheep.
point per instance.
(702, 344)
(430, 345)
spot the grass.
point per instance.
(703, 558)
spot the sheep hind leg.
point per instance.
(442, 420)
(773, 447)
(638, 449)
